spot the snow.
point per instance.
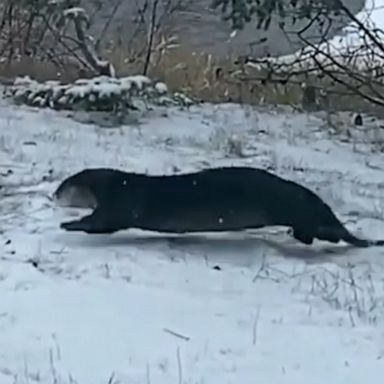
(141, 307)
(137, 81)
(75, 12)
(161, 87)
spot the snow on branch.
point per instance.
(76, 12)
(80, 20)
(350, 64)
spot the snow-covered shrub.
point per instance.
(102, 93)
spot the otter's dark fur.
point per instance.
(218, 199)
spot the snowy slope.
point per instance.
(140, 307)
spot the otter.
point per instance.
(210, 200)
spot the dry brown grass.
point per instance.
(198, 75)
(208, 78)
(38, 70)
(217, 80)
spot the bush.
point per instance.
(102, 93)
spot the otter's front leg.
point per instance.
(95, 223)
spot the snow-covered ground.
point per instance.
(139, 307)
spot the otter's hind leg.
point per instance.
(303, 236)
(329, 235)
(94, 223)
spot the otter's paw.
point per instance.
(302, 236)
(88, 227)
(76, 225)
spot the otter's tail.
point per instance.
(353, 240)
(342, 233)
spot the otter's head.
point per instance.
(75, 196)
(83, 189)
(88, 188)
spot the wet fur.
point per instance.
(218, 199)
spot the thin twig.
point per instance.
(179, 366)
(255, 324)
(179, 335)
